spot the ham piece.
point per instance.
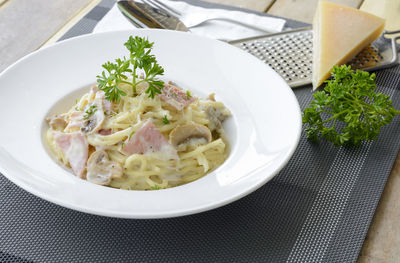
(75, 148)
(148, 139)
(75, 120)
(175, 97)
(105, 131)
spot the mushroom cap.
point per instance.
(216, 114)
(57, 123)
(100, 170)
(95, 121)
(211, 97)
(182, 134)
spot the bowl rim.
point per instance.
(166, 214)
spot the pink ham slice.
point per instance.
(105, 131)
(75, 120)
(75, 149)
(148, 139)
(175, 97)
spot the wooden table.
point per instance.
(27, 25)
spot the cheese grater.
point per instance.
(290, 54)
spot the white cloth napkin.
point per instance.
(191, 15)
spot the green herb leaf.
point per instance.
(130, 136)
(156, 187)
(139, 59)
(109, 83)
(165, 120)
(348, 111)
(89, 112)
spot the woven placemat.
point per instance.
(317, 209)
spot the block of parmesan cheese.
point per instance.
(339, 34)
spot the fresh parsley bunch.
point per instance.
(349, 110)
(139, 59)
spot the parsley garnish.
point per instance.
(349, 110)
(188, 94)
(165, 120)
(155, 187)
(90, 111)
(139, 59)
(130, 135)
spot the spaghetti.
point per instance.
(141, 143)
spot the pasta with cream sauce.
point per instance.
(140, 143)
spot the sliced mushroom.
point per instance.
(100, 169)
(94, 115)
(211, 97)
(216, 114)
(189, 134)
(57, 123)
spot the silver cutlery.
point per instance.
(155, 14)
(201, 17)
(146, 16)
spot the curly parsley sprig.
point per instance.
(349, 110)
(139, 59)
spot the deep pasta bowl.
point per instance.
(262, 133)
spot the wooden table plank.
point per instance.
(75, 19)
(382, 243)
(27, 24)
(303, 10)
(257, 5)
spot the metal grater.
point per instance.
(290, 54)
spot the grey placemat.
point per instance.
(317, 209)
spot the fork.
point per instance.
(201, 20)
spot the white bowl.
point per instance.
(263, 132)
